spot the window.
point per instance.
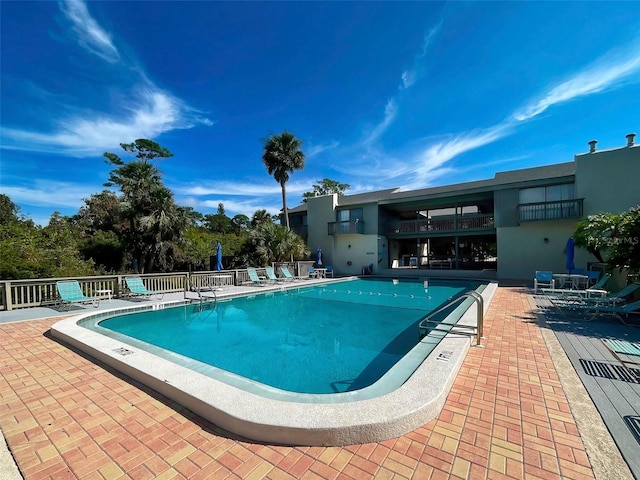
(348, 215)
(552, 193)
(553, 201)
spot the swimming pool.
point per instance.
(365, 407)
(322, 339)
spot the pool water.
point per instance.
(331, 338)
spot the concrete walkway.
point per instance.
(516, 410)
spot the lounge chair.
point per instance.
(627, 349)
(271, 275)
(588, 310)
(543, 278)
(288, 276)
(138, 289)
(70, 293)
(600, 283)
(255, 279)
(626, 291)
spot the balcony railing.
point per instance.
(563, 209)
(352, 226)
(451, 223)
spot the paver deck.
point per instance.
(506, 417)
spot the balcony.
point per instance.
(441, 224)
(342, 228)
(562, 209)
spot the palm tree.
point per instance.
(275, 243)
(154, 222)
(282, 156)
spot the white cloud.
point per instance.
(317, 149)
(48, 193)
(144, 112)
(247, 188)
(607, 72)
(90, 35)
(411, 76)
(390, 113)
(156, 112)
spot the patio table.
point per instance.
(575, 281)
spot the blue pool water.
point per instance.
(331, 338)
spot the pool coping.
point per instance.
(256, 417)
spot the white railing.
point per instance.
(28, 293)
(37, 293)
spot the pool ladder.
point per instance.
(201, 298)
(477, 331)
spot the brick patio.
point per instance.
(507, 416)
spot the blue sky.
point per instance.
(383, 94)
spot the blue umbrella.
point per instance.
(570, 251)
(319, 257)
(218, 257)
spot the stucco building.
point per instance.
(506, 227)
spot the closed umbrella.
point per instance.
(319, 257)
(570, 251)
(218, 257)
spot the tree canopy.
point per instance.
(326, 186)
(153, 219)
(282, 156)
(612, 238)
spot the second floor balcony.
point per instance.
(558, 210)
(441, 224)
(351, 226)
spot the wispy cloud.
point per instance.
(412, 75)
(249, 205)
(156, 112)
(48, 193)
(144, 111)
(429, 162)
(607, 72)
(318, 149)
(245, 188)
(90, 35)
(390, 113)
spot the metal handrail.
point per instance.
(201, 297)
(479, 328)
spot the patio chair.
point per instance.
(70, 293)
(329, 271)
(138, 289)
(312, 273)
(255, 279)
(628, 350)
(593, 277)
(368, 269)
(271, 275)
(543, 278)
(288, 276)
